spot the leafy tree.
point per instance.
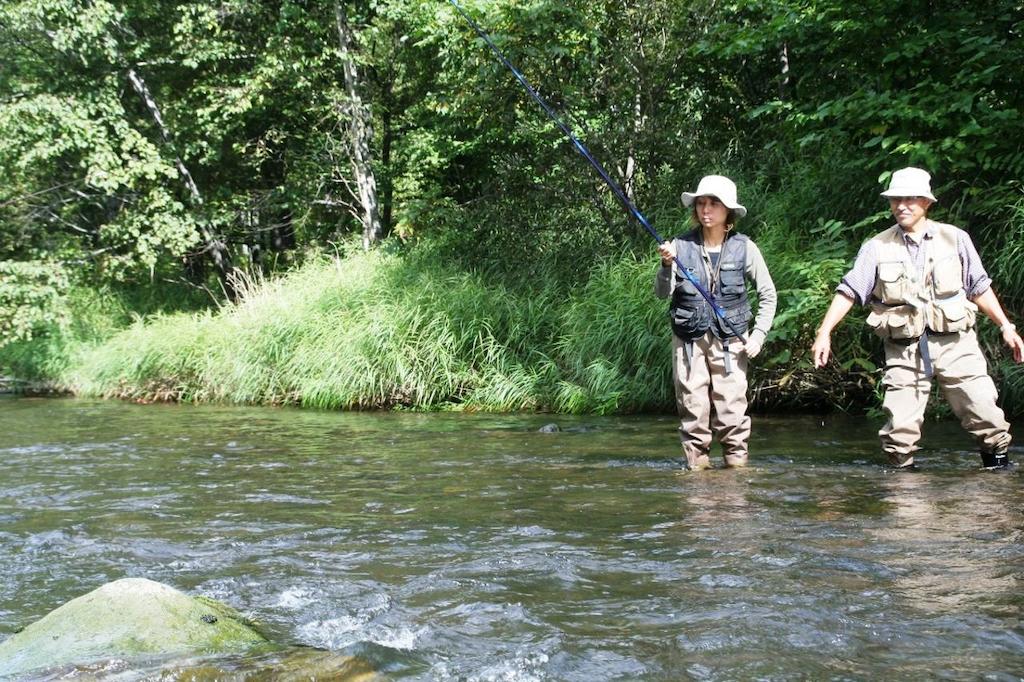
(887, 84)
(78, 166)
(32, 300)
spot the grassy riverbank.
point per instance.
(380, 330)
(383, 330)
(511, 277)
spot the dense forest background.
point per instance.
(353, 204)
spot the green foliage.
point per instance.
(939, 89)
(1011, 381)
(83, 181)
(551, 306)
(71, 317)
(1004, 263)
(32, 300)
(614, 342)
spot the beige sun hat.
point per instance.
(720, 187)
(910, 182)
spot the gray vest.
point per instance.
(690, 314)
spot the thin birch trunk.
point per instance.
(784, 82)
(147, 97)
(216, 248)
(638, 118)
(638, 128)
(361, 132)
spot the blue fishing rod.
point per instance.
(616, 190)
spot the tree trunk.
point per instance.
(638, 118)
(360, 131)
(629, 177)
(147, 97)
(387, 139)
(214, 247)
(784, 81)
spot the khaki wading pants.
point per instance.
(962, 374)
(709, 401)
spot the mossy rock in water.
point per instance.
(126, 619)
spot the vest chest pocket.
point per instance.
(891, 285)
(730, 277)
(947, 275)
(684, 283)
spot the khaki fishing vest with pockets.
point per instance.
(903, 304)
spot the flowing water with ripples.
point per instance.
(473, 547)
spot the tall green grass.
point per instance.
(377, 330)
(1004, 265)
(613, 346)
(809, 236)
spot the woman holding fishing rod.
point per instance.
(709, 357)
(710, 344)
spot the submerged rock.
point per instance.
(126, 619)
(555, 428)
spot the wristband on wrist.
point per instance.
(1008, 327)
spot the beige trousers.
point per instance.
(962, 375)
(711, 402)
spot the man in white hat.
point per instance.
(709, 365)
(924, 283)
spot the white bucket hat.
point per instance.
(720, 187)
(910, 182)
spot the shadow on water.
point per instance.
(454, 546)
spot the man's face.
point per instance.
(908, 211)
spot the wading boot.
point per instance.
(735, 461)
(697, 461)
(994, 460)
(901, 462)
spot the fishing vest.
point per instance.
(691, 315)
(903, 303)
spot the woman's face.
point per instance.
(710, 212)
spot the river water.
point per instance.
(473, 547)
